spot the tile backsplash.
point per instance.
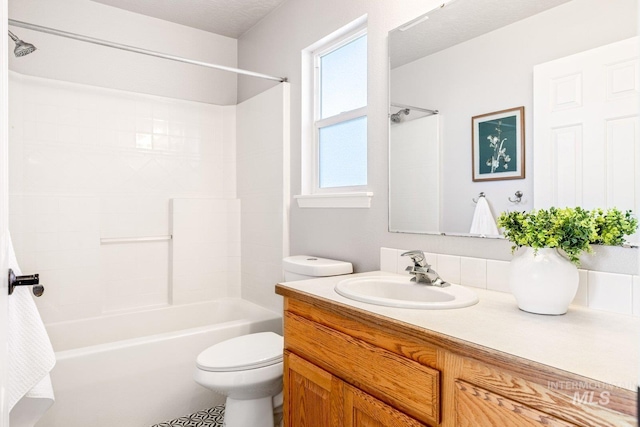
(618, 293)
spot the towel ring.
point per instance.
(475, 199)
(518, 198)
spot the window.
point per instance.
(340, 113)
(336, 135)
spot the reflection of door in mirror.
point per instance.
(414, 174)
(586, 129)
(473, 57)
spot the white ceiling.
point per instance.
(459, 21)
(230, 18)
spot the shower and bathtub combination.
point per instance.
(128, 206)
(136, 369)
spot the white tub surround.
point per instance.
(579, 342)
(92, 175)
(136, 369)
(263, 133)
(206, 245)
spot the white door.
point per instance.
(586, 129)
(4, 212)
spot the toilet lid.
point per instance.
(244, 352)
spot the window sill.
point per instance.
(335, 200)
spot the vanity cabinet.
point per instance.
(347, 367)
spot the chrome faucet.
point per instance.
(422, 271)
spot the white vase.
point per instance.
(544, 282)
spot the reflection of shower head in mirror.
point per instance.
(22, 48)
(397, 117)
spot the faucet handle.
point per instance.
(417, 256)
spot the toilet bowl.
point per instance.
(248, 371)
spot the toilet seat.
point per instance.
(242, 353)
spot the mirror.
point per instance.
(480, 104)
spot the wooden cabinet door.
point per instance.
(363, 410)
(476, 407)
(312, 397)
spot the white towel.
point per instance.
(483, 222)
(31, 356)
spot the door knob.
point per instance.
(28, 280)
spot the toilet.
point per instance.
(248, 369)
(303, 267)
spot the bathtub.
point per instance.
(136, 369)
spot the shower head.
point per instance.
(397, 117)
(22, 48)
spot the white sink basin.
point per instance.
(401, 292)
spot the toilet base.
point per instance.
(252, 412)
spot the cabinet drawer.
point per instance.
(476, 407)
(577, 401)
(402, 383)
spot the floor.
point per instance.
(213, 417)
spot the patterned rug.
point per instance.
(213, 417)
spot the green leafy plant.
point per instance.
(571, 229)
(613, 225)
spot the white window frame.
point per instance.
(345, 116)
(313, 195)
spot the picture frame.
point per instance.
(498, 145)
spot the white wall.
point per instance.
(89, 163)
(70, 60)
(274, 46)
(263, 189)
(494, 72)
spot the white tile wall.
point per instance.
(449, 268)
(610, 292)
(582, 296)
(58, 237)
(497, 275)
(204, 263)
(388, 260)
(88, 162)
(618, 293)
(473, 272)
(134, 275)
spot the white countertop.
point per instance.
(595, 344)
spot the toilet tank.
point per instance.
(303, 267)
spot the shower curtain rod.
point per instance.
(139, 50)
(411, 107)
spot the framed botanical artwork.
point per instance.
(498, 145)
